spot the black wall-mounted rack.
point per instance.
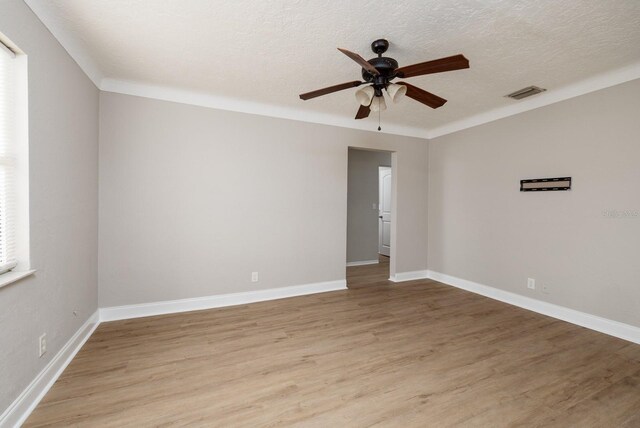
(545, 184)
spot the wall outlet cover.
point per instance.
(42, 344)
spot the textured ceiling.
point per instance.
(270, 51)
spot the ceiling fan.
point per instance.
(380, 71)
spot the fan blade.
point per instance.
(423, 96)
(363, 112)
(363, 62)
(451, 63)
(330, 89)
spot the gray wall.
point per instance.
(362, 219)
(63, 172)
(481, 228)
(192, 200)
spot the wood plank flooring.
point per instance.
(417, 354)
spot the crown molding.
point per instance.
(592, 84)
(69, 43)
(166, 93)
(83, 58)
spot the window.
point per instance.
(14, 197)
(7, 160)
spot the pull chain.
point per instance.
(379, 128)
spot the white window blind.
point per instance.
(8, 159)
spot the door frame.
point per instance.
(394, 204)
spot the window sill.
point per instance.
(10, 277)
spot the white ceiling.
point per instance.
(257, 56)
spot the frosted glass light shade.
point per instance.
(365, 95)
(378, 104)
(396, 92)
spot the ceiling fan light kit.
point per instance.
(378, 104)
(396, 92)
(365, 95)
(378, 73)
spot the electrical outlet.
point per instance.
(531, 283)
(545, 289)
(42, 344)
(254, 276)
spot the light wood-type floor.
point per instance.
(417, 354)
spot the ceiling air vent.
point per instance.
(525, 92)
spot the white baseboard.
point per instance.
(217, 301)
(593, 322)
(21, 408)
(409, 276)
(363, 263)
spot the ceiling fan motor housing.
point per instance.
(385, 67)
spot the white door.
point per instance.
(384, 210)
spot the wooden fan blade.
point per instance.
(423, 96)
(363, 112)
(456, 62)
(363, 62)
(330, 89)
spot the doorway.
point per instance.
(369, 215)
